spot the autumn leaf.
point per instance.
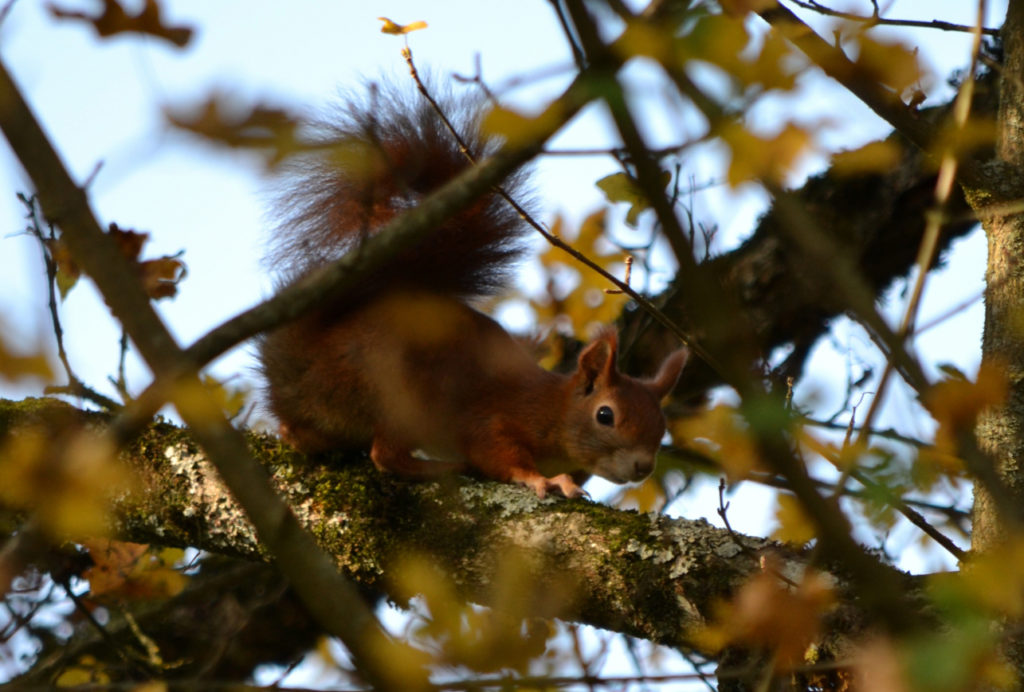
(226, 122)
(86, 670)
(114, 20)
(649, 496)
(720, 434)
(739, 8)
(991, 582)
(15, 366)
(132, 571)
(889, 62)
(769, 613)
(620, 187)
(978, 134)
(794, 525)
(763, 158)
(128, 241)
(723, 41)
(161, 276)
(230, 399)
(643, 38)
(65, 475)
(67, 270)
(485, 640)
(955, 403)
(874, 157)
(518, 129)
(393, 28)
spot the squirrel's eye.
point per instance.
(605, 416)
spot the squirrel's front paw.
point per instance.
(561, 484)
(565, 485)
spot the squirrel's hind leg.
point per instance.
(392, 457)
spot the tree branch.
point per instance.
(640, 574)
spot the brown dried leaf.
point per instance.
(769, 614)
(224, 121)
(129, 242)
(161, 276)
(68, 271)
(132, 571)
(114, 20)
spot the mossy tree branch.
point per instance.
(644, 575)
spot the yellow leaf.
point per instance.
(587, 303)
(889, 62)
(68, 271)
(742, 7)
(794, 525)
(66, 477)
(763, 158)
(646, 497)
(518, 129)
(391, 27)
(717, 39)
(722, 40)
(641, 38)
(123, 571)
(85, 671)
(719, 433)
(619, 187)
(14, 366)
(151, 686)
(230, 399)
(955, 403)
(874, 157)
(993, 581)
(977, 134)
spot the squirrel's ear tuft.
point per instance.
(668, 374)
(598, 358)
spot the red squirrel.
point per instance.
(404, 364)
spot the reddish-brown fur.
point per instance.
(406, 366)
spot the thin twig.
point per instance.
(875, 20)
(75, 387)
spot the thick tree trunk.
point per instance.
(999, 429)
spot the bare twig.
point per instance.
(75, 387)
(875, 20)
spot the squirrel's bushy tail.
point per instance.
(377, 157)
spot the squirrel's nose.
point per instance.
(643, 467)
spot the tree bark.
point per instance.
(999, 429)
(645, 575)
